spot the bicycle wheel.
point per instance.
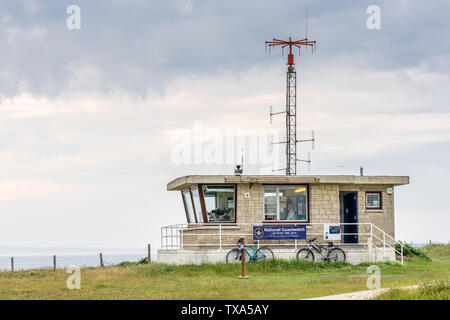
(263, 253)
(234, 256)
(305, 255)
(337, 255)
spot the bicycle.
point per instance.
(332, 255)
(257, 254)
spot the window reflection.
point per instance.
(270, 204)
(285, 203)
(219, 203)
(292, 203)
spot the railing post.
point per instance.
(241, 248)
(149, 254)
(371, 232)
(220, 236)
(162, 239)
(401, 247)
(369, 249)
(384, 246)
(182, 239)
(171, 237)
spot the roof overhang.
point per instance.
(186, 181)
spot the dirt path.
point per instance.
(359, 295)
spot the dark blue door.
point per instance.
(349, 214)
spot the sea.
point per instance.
(39, 261)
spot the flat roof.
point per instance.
(186, 181)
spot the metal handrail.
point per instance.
(175, 234)
(395, 242)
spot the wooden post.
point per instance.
(241, 247)
(101, 260)
(12, 264)
(54, 263)
(149, 253)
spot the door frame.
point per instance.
(349, 228)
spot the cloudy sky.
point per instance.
(90, 118)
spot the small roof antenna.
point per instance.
(239, 168)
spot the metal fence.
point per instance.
(107, 258)
(219, 236)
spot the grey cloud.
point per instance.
(142, 45)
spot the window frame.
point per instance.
(277, 186)
(192, 189)
(199, 187)
(202, 199)
(183, 191)
(380, 195)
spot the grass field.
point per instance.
(438, 290)
(274, 279)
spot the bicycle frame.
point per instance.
(318, 248)
(252, 255)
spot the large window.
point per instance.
(373, 200)
(286, 203)
(219, 203)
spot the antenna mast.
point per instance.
(291, 102)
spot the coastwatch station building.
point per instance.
(355, 212)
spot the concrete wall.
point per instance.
(384, 218)
(323, 207)
(354, 255)
(323, 204)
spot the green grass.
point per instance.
(430, 291)
(276, 279)
(410, 251)
(437, 252)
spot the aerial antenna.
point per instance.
(291, 103)
(274, 113)
(308, 160)
(312, 140)
(306, 21)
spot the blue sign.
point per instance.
(279, 232)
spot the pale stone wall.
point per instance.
(323, 204)
(324, 207)
(384, 218)
(249, 210)
(354, 255)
